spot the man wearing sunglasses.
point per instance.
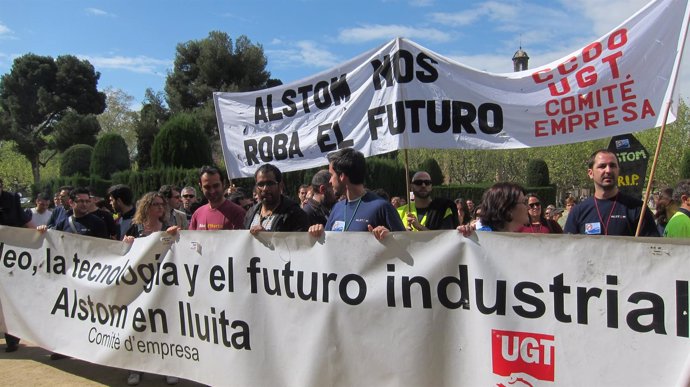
(274, 211)
(188, 201)
(425, 213)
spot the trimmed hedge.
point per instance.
(109, 155)
(181, 143)
(76, 160)
(537, 173)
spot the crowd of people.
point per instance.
(337, 200)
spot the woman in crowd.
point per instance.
(537, 221)
(665, 208)
(504, 208)
(464, 215)
(149, 218)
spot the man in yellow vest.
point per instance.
(425, 213)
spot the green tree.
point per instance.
(37, 93)
(675, 142)
(537, 173)
(119, 117)
(109, 155)
(153, 114)
(15, 169)
(431, 166)
(76, 160)
(685, 165)
(181, 143)
(214, 64)
(73, 129)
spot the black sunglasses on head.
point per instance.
(421, 182)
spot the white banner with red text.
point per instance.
(417, 309)
(404, 96)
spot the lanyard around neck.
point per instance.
(348, 224)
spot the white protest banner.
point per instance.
(417, 309)
(403, 96)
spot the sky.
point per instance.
(133, 43)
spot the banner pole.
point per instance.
(407, 179)
(651, 173)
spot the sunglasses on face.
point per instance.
(267, 183)
(534, 205)
(188, 196)
(421, 182)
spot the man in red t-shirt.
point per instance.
(219, 213)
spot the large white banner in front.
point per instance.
(403, 96)
(417, 309)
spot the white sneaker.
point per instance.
(171, 380)
(133, 379)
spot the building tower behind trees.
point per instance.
(520, 60)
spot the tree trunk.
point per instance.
(36, 169)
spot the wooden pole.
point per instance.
(651, 173)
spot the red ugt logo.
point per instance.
(522, 352)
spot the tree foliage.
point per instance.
(537, 173)
(15, 169)
(433, 169)
(181, 143)
(214, 64)
(119, 117)
(76, 160)
(109, 155)
(153, 114)
(685, 165)
(73, 129)
(37, 93)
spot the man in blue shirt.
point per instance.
(609, 211)
(361, 210)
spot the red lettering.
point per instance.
(626, 92)
(613, 64)
(586, 77)
(552, 104)
(568, 105)
(539, 129)
(610, 116)
(538, 77)
(588, 55)
(565, 87)
(629, 108)
(573, 121)
(567, 70)
(647, 109)
(617, 39)
(591, 119)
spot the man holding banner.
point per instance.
(425, 213)
(361, 210)
(609, 211)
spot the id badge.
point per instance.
(338, 225)
(593, 228)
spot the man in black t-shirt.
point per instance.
(79, 220)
